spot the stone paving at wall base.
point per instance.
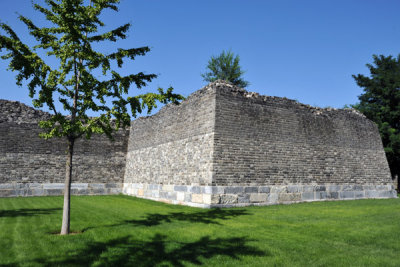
(239, 196)
(57, 189)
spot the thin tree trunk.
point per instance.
(67, 188)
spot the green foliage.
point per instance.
(127, 231)
(75, 28)
(380, 102)
(225, 67)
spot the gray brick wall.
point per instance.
(263, 140)
(27, 158)
(174, 146)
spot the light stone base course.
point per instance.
(238, 196)
(56, 189)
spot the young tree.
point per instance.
(225, 67)
(73, 82)
(380, 102)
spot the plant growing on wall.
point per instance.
(74, 81)
(225, 67)
(380, 102)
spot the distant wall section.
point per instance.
(30, 165)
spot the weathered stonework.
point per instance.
(237, 196)
(30, 165)
(224, 146)
(55, 189)
(221, 147)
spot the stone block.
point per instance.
(140, 192)
(359, 194)
(218, 189)
(289, 197)
(371, 194)
(188, 197)
(294, 188)
(228, 199)
(333, 188)
(197, 198)
(347, 187)
(207, 198)
(278, 189)
(207, 190)
(358, 187)
(319, 188)
(79, 186)
(308, 188)
(180, 188)
(34, 185)
(168, 187)
(385, 194)
(307, 196)
(155, 187)
(346, 194)
(215, 199)
(37, 192)
(180, 196)
(97, 191)
(251, 189)
(111, 185)
(54, 192)
(7, 186)
(332, 195)
(155, 193)
(234, 189)
(96, 186)
(163, 195)
(273, 198)
(244, 198)
(321, 195)
(195, 190)
(53, 186)
(264, 189)
(7, 193)
(262, 197)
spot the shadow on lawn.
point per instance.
(157, 251)
(26, 212)
(208, 217)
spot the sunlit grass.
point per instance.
(126, 231)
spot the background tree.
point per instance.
(225, 67)
(380, 102)
(73, 82)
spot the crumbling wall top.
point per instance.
(17, 112)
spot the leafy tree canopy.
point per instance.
(75, 30)
(225, 67)
(380, 102)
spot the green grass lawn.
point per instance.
(126, 231)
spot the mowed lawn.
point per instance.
(126, 231)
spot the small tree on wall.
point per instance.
(225, 67)
(74, 81)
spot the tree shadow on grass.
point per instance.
(26, 212)
(208, 217)
(157, 251)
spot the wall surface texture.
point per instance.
(221, 147)
(224, 146)
(30, 165)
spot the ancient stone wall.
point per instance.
(30, 165)
(221, 147)
(172, 147)
(259, 150)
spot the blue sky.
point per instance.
(303, 50)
